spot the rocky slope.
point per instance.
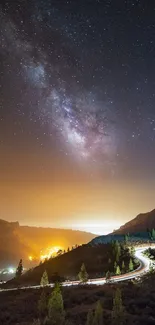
(141, 223)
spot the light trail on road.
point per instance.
(142, 269)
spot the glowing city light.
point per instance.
(11, 270)
(50, 252)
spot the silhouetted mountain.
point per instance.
(136, 228)
(141, 223)
(11, 248)
(21, 241)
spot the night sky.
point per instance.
(77, 112)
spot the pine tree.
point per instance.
(116, 250)
(42, 305)
(56, 313)
(123, 266)
(98, 315)
(44, 280)
(19, 269)
(118, 312)
(149, 233)
(130, 265)
(132, 251)
(118, 271)
(90, 318)
(59, 252)
(109, 260)
(83, 275)
(153, 234)
(117, 256)
(126, 238)
(108, 276)
(115, 266)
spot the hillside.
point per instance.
(40, 238)
(21, 241)
(21, 306)
(135, 237)
(98, 259)
(140, 223)
(136, 228)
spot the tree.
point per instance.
(109, 260)
(153, 234)
(98, 315)
(42, 305)
(117, 256)
(126, 238)
(149, 233)
(123, 266)
(132, 251)
(44, 280)
(68, 249)
(118, 312)
(83, 275)
(59, 252)
(19, 269)
(130, 265)
(108, 276)
(56, 313)
(115, 266)
(90, 318)
(118, 271)
(117, 248)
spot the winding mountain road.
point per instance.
(142, 269)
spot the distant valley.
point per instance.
(23, 242)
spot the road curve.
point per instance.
(142, 269)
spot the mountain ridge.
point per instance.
(137, 228)
(22, 241)
(141, 222)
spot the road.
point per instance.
(142, 269)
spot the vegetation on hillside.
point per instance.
(16, 241)
(129, 303)
(19, 269)
(44, 279)
(150, 252)
(115, 258)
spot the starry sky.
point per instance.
(77, 112)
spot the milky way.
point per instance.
(83, 123)
(80, 80)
